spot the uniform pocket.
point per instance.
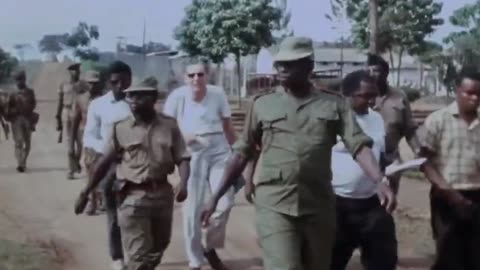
(324, 126)
(269, 175)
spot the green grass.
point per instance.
(15, 256)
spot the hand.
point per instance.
(463, 206)
(190, 138)
(386, 196)
(208, 212)
(181, 192)
(249, 191)
(81, 203)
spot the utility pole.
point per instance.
(144, 49)
(373, 25)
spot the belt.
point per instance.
(150, 185)
(209, 134)
(67, 106)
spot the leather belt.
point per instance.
(150, 185)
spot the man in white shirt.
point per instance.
(203, 114)
(361, 220)
(102, 113)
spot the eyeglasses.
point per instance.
(199, 75)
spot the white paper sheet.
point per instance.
(407, 165)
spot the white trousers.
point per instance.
(209, 156)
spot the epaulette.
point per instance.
(263, 93)
(327, 91)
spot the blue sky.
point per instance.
(26, 21)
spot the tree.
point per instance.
(80, 41)
(284, 29)
(465, 44)
(21, 48)
(402, 28)
(217, 28)
(8, 64)
(52, 44)
(373, 25)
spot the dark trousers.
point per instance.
(364, 224)
(457, 239)
(110, 201)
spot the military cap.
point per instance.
(74, 66)
(20, 75)
(92, 76)
(141, 87)
(294, 48)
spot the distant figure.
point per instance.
(68, 92)
(20, 113)
(80, 108)
(3, 115)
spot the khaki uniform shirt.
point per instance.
(455, 146)
(80, 107)
(21, 102)
(293, 174)
(148, 153)
(395, 110)
(69, 91)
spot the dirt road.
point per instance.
(38, 206)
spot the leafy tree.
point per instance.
(80, 41)
(52, 44)
(402, 28)
(8, 64)
(217, 28)
(21, 48)
(284, 29)
(465, 44)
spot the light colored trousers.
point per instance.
(209, 156)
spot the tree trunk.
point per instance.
(399, 67)
(392, 62)
(420, 70)
(219, 75)
(239, 79)
(373, 25)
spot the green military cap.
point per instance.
(294, 48)
(74, 66)
(20, 75)
(141, 87)
(92, 76)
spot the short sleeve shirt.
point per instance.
(296, 138)
(202, 117)
(455, 146)
(148, 153)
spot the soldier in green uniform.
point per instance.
(20, 113)
(67, 95)
(149, 145)
(295, 128)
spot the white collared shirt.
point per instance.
(349, 180)
(102, 113)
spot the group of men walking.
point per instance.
(315, 163)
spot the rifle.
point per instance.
(59, 129)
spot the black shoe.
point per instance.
(214, 261)
(20, 169)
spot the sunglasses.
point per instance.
(199, 75)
